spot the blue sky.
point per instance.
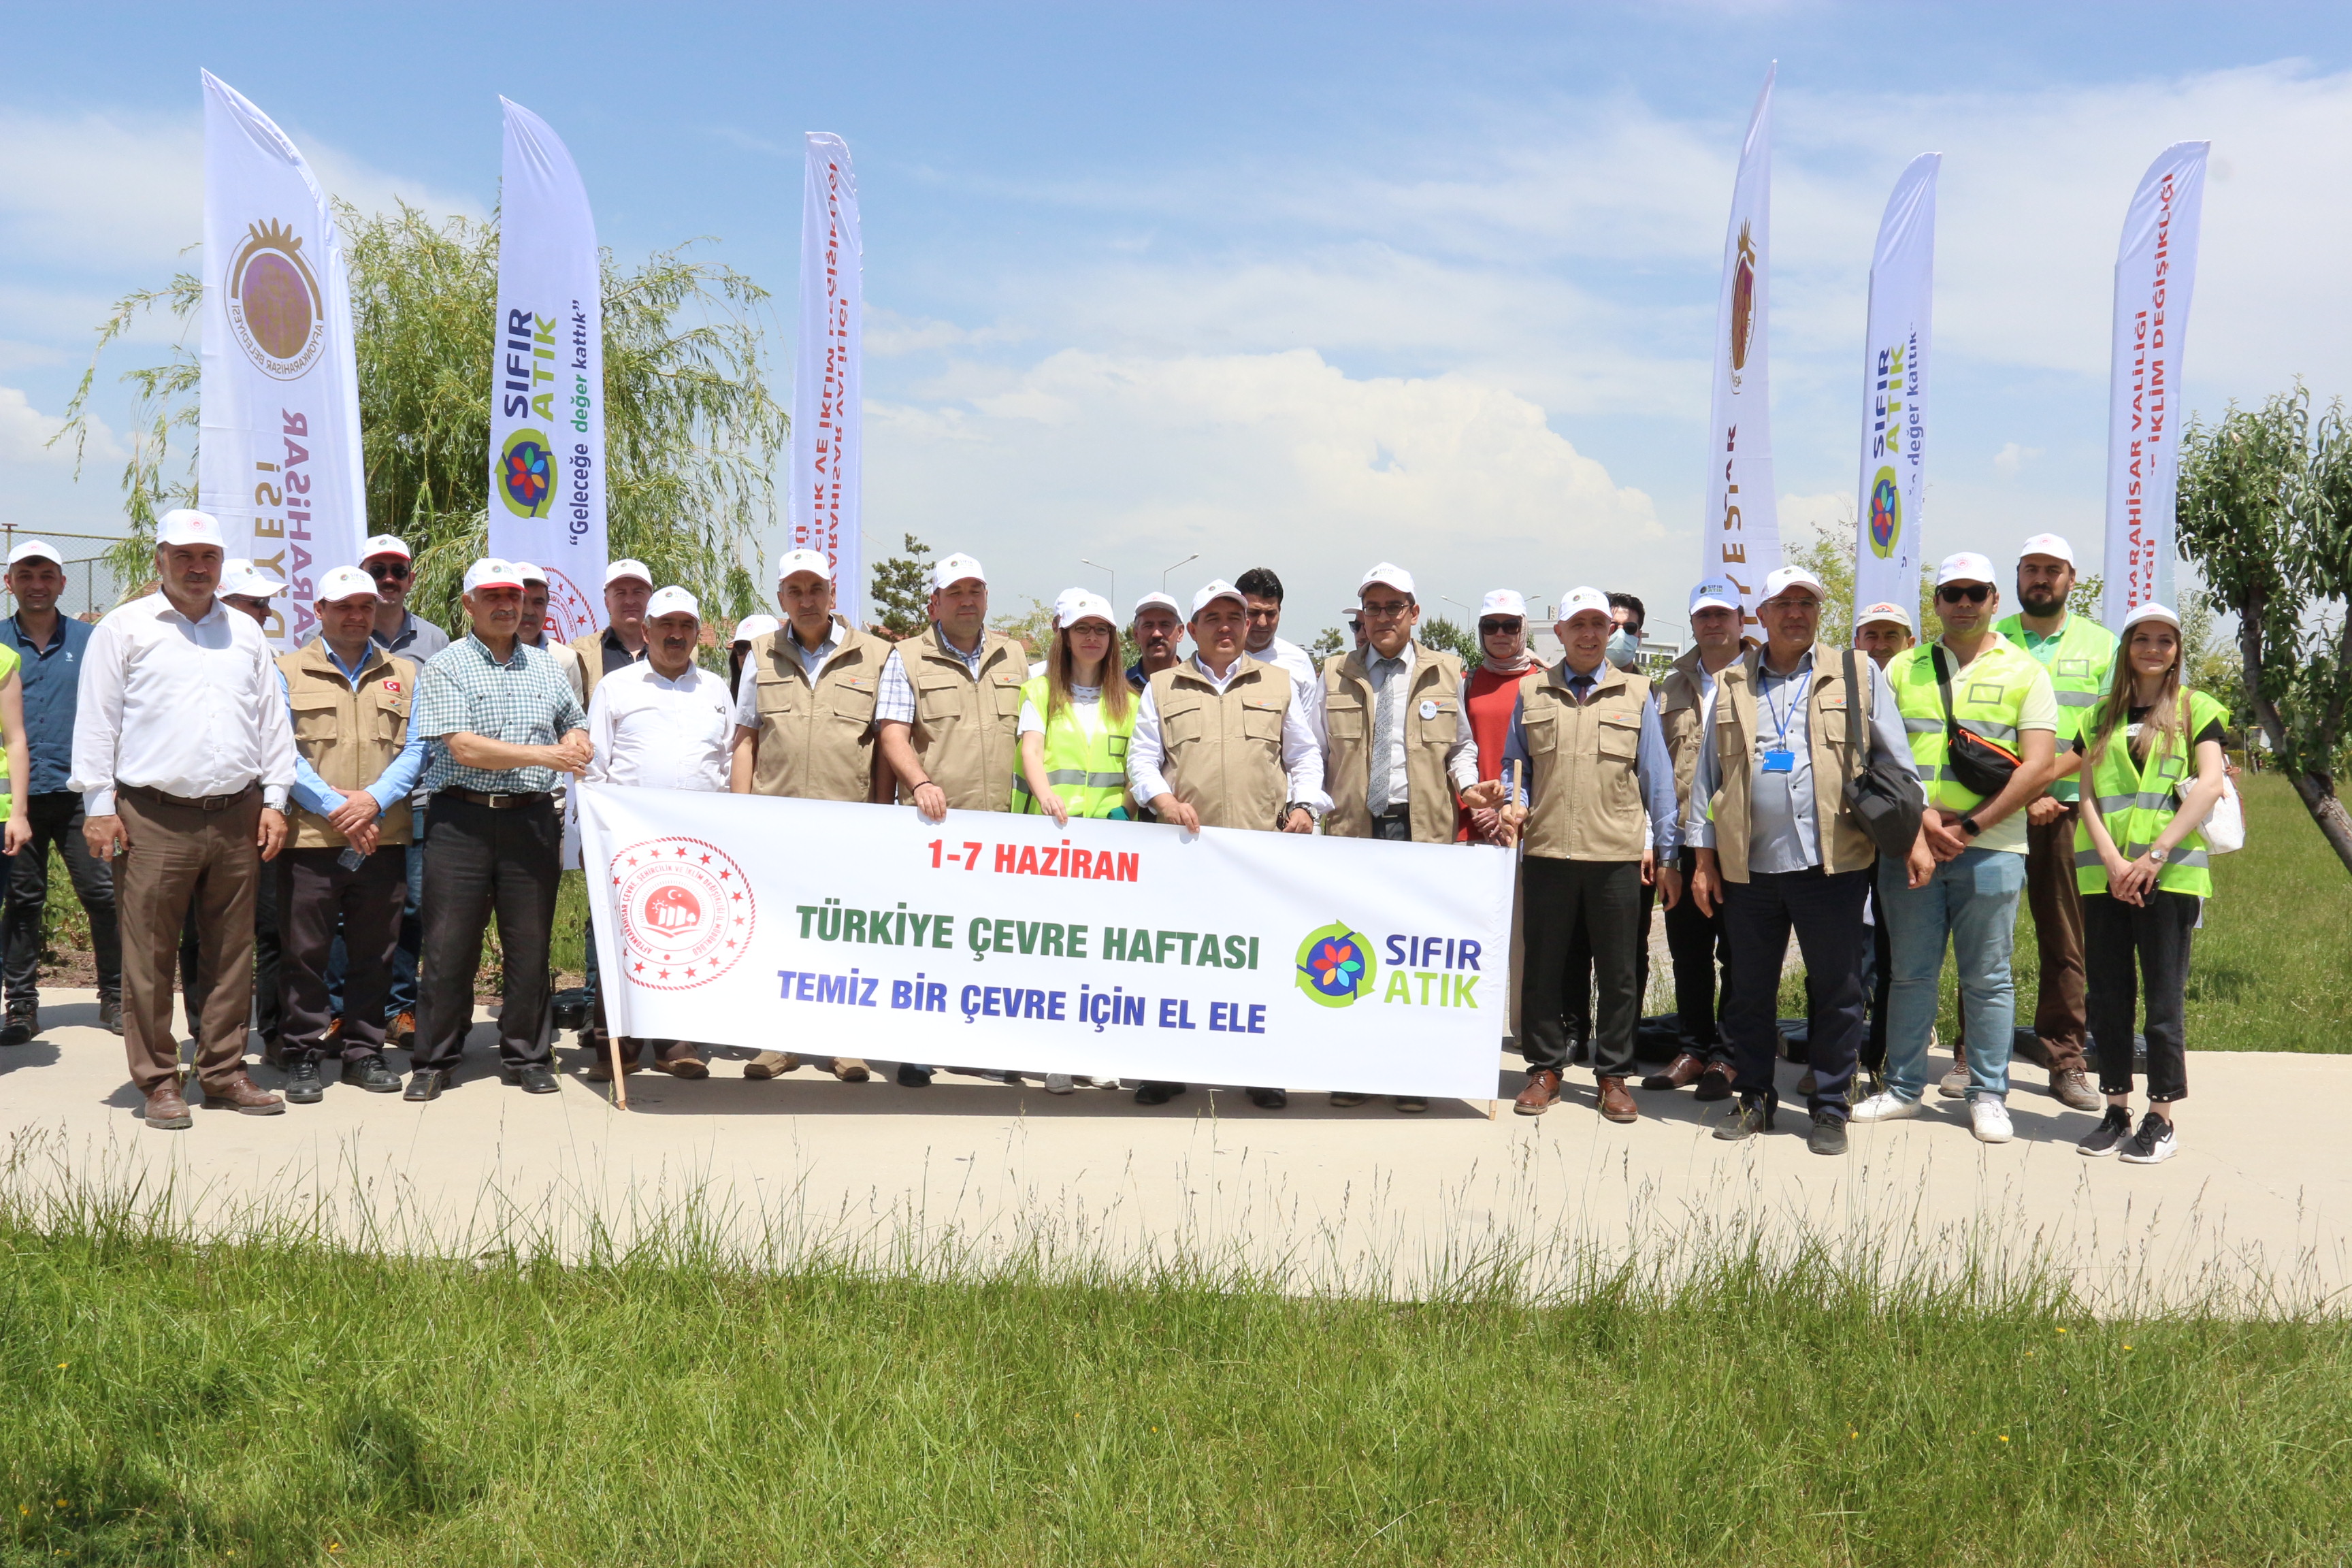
(1302, 287)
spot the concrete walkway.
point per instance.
(2256, 1207)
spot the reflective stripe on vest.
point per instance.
(2137, 816)
(2001, 664)
(1087, 770)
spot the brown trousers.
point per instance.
(2052, 893)
(181, 854)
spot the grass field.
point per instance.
(169, 1403)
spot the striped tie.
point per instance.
(1383, 741)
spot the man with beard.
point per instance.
(2079, 654)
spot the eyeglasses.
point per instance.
(388, 571)
(1974, 592)
(1492, 628)
(1388, 610)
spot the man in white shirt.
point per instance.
(184, 755)
(1261, 592)
(663, 724)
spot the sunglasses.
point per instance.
(1974, 592)
(388, 571)
(1491, 628)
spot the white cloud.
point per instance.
(2013, 458)
(1277, 459)
(26, 433)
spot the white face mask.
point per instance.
(1624, 643)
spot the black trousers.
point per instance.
(1577, 988)
(57, 818)
(2152, 940)
(1878, 975)
(481, 860)
(1599, 902)
(316, 895)
(1701, 951)
(1825, 912)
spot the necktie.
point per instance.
(1383, 737)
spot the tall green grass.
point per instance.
(281, 1400)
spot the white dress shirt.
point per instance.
(1303, 675)
(658, 733)
(1461, 754)
(1302, 753)
(190, 708)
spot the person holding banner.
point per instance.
(2079, 655)
(386, 561)
(1237, 751)
(1778, 845)
(1159, 628)
(806, 712)
(506, 722)
(627, 585)
(1695, 933)
(184, 756)
(1588, 735)
(2145, 873)
(1982, 721)
(1488, 697)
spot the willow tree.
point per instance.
(692, 430)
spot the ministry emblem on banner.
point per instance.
(686, 911)
(275, 307)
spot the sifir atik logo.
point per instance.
(1336, 966)
(686, 912)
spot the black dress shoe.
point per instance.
(303, 1085)
(427, 1083)
(109, 1015)
(1150, 1092)
(20, 1028)
(1269, 1099)
(912, 1077)
(373, 1074)
(537, 1079)
(1827, 1136)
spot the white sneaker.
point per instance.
(2153, 1144)
(1953, 1084)
(1989, 1120)
(1885, 1106)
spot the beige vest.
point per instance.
(816, 743)
(349, 736)
(1222, 753)
(967, 731)
(1584, 761)
(1845, 846)
(590, 647)
(1682, 713)
(574, 665)
(1350, 709)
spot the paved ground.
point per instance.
(2257, 1204)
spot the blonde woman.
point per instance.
(2153, 768)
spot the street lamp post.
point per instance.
(1112, 594)
(1165, 569)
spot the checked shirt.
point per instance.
(528, 702)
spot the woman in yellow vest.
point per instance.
(2152, 757)
(1075, 720)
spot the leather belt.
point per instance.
(193, 803)
(498, 802)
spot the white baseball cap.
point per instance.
(1504, 601)
(1781, 579)
(1388, 571)
(1885, 610)
(490, 571)
(385, 544)
(345, 583)
(1578, 599)
(1149, 600)
(36, 550)
(241, 578)
(1715, 594)
(1967, 566)
(1079, 604)
(185, 525)
(2151, 611)
(793, 560)
(751, 626)
(625, 568)
(2047, 544)
(950, 570)
(527, 572)
(672, 601)
(1214, 589)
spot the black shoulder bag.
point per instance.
(1884, 792)
(1983, 766)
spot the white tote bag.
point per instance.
(2225, 825)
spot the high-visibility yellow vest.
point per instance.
(2137, 801)
(1988, 697)
(2080, 660)
(1086, 768)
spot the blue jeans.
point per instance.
(1971, 901)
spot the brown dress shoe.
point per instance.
(1616, 1105)
(402, 1031)
(242, 1095)
(165, 1109)
(1681, 1073)
(686, 1065)
(850, 1069)
(2074, 1090)
(771, 1064)
(1716, 1082)
(1540, 1094)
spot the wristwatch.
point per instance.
(1968, 825)
(2155, 852)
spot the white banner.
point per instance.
(828, 373)
(1894, 493)
(996, 941)
(279, 459)
(1741, 539)
(2156, 272)
(547, 397)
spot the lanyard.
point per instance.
(1780, 721)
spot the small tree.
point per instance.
(901, 591)
(1441, 633)
(1328, 641)
(2265, 511)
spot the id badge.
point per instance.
(1780, 760)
